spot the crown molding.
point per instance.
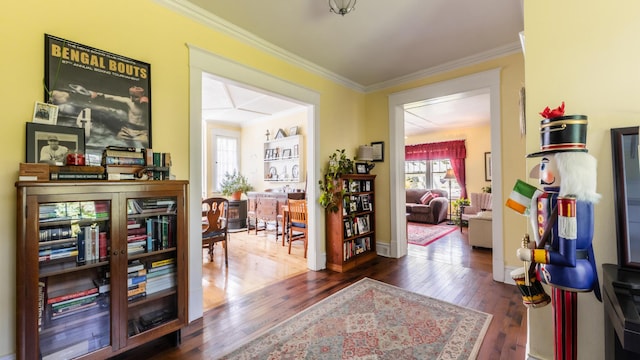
(208, 19)
(200, 15)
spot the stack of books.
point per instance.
(72, 300)
(161, 275)
(76, 172)
(136, 281)
(124, 163)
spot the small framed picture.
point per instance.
(293, 130)
(378, 150)
(361, 168)
(51, 143)
(44, 113)
(286, 153)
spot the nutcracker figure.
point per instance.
(562, 220)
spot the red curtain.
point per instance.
(454, 150)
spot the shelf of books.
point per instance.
(351, 230)
(102, 264)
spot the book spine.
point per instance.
(112, 160)
(76, 176)
(103, 246)
(125, 148)
(72, 295)
(162, 262)
(81, 246)
(125, 154)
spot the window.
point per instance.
(423, 174)
(225, 158)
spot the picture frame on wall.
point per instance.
(378, 151)
(293, 131)
(51, 143)
(44, 113)
(487, 166)
(105, 94)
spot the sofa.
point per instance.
(433, 212)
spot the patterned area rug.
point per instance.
(373, 320)
(425, 234)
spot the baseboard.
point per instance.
(383, 249)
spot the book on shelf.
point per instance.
(116, 160)
(125, 169)
(123, 153)
(77, 176)
(72, 292)
(159, 263)
(126, 148)
(103, 285)
(64, 255)
(135, 265)
(160, 268)
(76, 169)
(136, 296)
(136, 280)
(121, 176)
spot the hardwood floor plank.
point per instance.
(254, 294)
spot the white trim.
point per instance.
(488, 80)
(202, 61)
(214, 22)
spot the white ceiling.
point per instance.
(381, 43)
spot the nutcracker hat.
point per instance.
(561, 133)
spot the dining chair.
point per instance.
(214, 225)
(298, 223)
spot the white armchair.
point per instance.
(479, 202)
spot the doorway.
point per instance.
(489, 80)
(202, 61)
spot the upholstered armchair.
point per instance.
(478, 202)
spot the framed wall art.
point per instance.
(105, 94)
(44, 113)
(51, 143)
(378, 150)
(361, 168)
(487, 166)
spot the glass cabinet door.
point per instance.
(74, 309)
(152, 296)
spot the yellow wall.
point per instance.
(477, 141)
(590, 61)
(144, 31)
(148, 32)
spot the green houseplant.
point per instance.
(330, 192)
(234, 185)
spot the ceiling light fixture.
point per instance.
(342, 7)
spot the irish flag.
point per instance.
(521, 196)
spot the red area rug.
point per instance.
(425, 234)
(373, 320)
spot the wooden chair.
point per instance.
(214, 225)
(267, 212)
(298, 222)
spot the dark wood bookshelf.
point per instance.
(342, 253)
(94, 325)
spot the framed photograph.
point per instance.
(487, 166)
(280, 134)
(378, 150)
(293, 130)
(361, 168)
(51, 143)
(105, 94)
(286, 153)
(44, 113)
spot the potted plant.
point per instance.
(234, 185)
(330, 195)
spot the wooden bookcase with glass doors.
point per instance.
(351, 236)
(101, 266)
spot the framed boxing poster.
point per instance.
(107, 95)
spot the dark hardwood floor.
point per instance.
(448, 269)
